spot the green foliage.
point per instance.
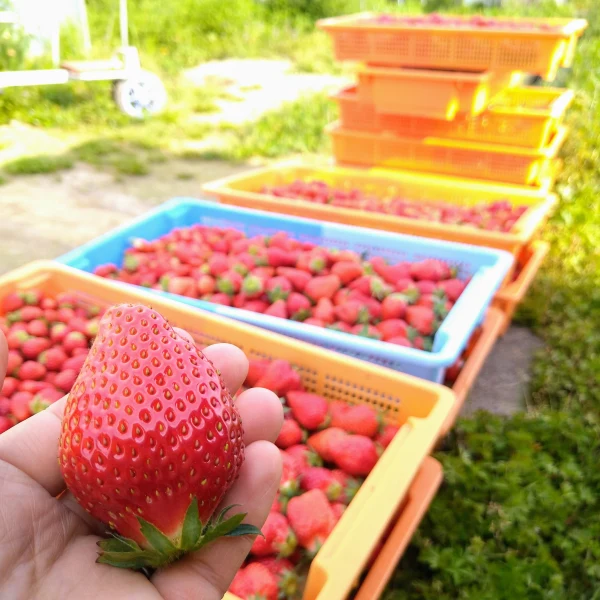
(297, 127)
(35, 165)
(518, 515)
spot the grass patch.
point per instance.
(37, 165)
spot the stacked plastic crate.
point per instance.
(440, 94)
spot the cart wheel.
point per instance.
(142, 95)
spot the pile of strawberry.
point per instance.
(495, 216)
(48, 340)
(475, 21)
(327, 448)
(402, 303)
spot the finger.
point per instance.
(231, 362)
(212, 568)
(32, 447)
(261, 413)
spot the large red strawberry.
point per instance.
(303, 457)
(283, 569)
(255, 582)
(311, 518)
(324, 441)
(291, 434)
(151, 441)
(319, 478)
(324, 286)
(280, 377)
(421, 318)
(277, 538)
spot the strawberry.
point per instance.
(20, 405)
(310, 410)
(221, 298)
(25, 314)
(122, 406)
(297, 277)
(367, 331)
(352, 312)
(312, 519)
(453, 371)
(400, 340)
(298, 306)
(32, 347)
(291, 433)
(421, 318)
(349, 485)
(338, 509)
(31, 370)
(288, 484)
(426, 287)
(229, 283)
(254, 582)
(287, 580)
(340, 326)
(276, 257)
(347, 271)
(58, 331)
(16, 339)
(324, 311)
(380, 289)
(355, 454)
(75, 362)
(43, 399)
(205, 284)
(12, 302)
(278, 538)
(453, 288)
(37, 328)
(386, 435)
(392, 328)
(258, 306)
(304, 457)
(319, 478)
(280, 377)
(33, 387)
(430, 269)
(393, 307)
(14, 361)
(53, 358)
(5, 424)
(311, 263)
(360, 419)
(278, 288)
(278, 309)
(218, 264)
(323, 442)
(252, 286)
(9, 387)
(324, 286)
(256, 369)
(315, 322)
(74, 339)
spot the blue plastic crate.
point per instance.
(487, 268)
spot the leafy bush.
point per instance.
(518, 515)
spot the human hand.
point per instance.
(48, 541)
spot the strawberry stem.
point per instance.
(159, 550)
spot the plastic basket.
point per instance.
(522, 116)
(461, 49)
(428, 93)
(419, 497)
(243, 189)
(507, 164)
(511, 295)
(475, 358)
(419, 407)
(487, 267)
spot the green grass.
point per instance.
(36, 165)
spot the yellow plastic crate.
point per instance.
(521, 116)
(494, 162)
(244, 189)
(420, 408)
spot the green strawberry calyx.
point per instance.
(125, 553)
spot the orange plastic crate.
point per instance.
(419, 407)
(461, 49)
(478, 350)
(244, 190)
(429, 93)
(506, 164)
(419, 497)
(522, 116)
(511, 295)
